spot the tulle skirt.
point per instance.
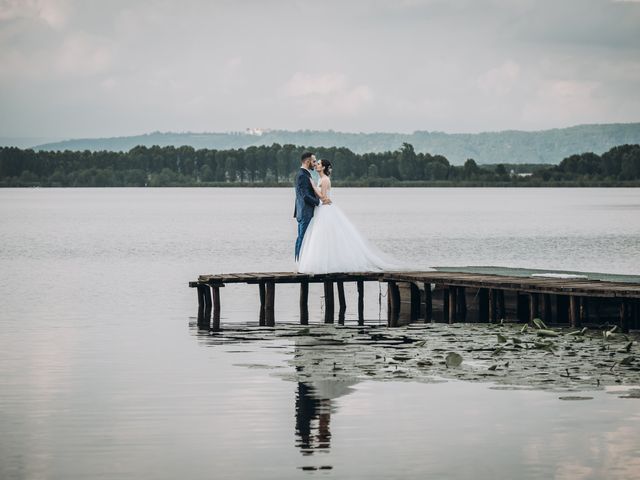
(333, 244)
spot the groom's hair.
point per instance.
(306, 155)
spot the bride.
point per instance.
(332, 243)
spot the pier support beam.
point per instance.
(453, 302)
(328, 302)
(270, 298)
(462, 304)
(200, 292)
(394, 301)
(304, 303)
(428, 303)
(215, 293)
(546, 310)
(445, 304)
(343, 303)
(534, 307)
(484, 307)
(493, 305)
(624, 316)
(574, 311)
(360, 302)
(261, 320)
(502, 310)
(415, 303)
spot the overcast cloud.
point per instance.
(77, 68)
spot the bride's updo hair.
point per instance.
(326, 166)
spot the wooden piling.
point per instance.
(415, 303)
(484, 313)
(453, 302)
(206, 320)
(562, 309)
(546, 309)
(360, 302)
(343, 303)
(200, 292)
(574, 311)
(394, 297)
(624, 316)
(304, 303)
(261, 291)
(328, 303)
(461, 307)
(215, 293)
(270, 298)
(493, 305)
(502, 311)
(534, 310)
(445, 304)
(428, 303)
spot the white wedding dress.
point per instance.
(332, 244)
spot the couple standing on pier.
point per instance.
(327, 241)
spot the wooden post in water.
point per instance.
(200, 291)
(574, 311)
(360, 302)
(428, 303)
(453, 302)
(624, 316)
(394, 296)
(269, 309)
(547, 315)
(304, 303)
(215, 293)
(207, 307)
(461, 308)
(562, 309)
(328, 302)
(534, 310)
(484, 308)
(502, 311)
(493, 305)
(445, 304)
(415, 303)
(261, 291)
(343, 303)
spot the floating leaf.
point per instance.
(516, 340)
(539, 323)
(501, 338)
(575, 397)
(492, 367)
(524, 328)
(547, 333)
(627, 360)
(453, 359)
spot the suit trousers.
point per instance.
(302, 228)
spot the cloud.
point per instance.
(52, 12)
(327, 93)
(499, 80)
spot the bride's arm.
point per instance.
(320, 194)
(325, 185)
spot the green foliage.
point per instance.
(276, 165)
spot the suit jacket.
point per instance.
(306, 198)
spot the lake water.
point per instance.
(104, 375)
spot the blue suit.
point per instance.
(306, 201)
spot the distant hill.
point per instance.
(510, 146)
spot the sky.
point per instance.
(88, 68)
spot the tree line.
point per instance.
(276, 165)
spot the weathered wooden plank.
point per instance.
(360, 302)
(262, 316)
(215, 293)
(343, 303)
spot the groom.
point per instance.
(306, 199)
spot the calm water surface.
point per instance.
(103, 374)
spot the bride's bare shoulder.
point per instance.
(325, 181)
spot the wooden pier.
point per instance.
(437, 296)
